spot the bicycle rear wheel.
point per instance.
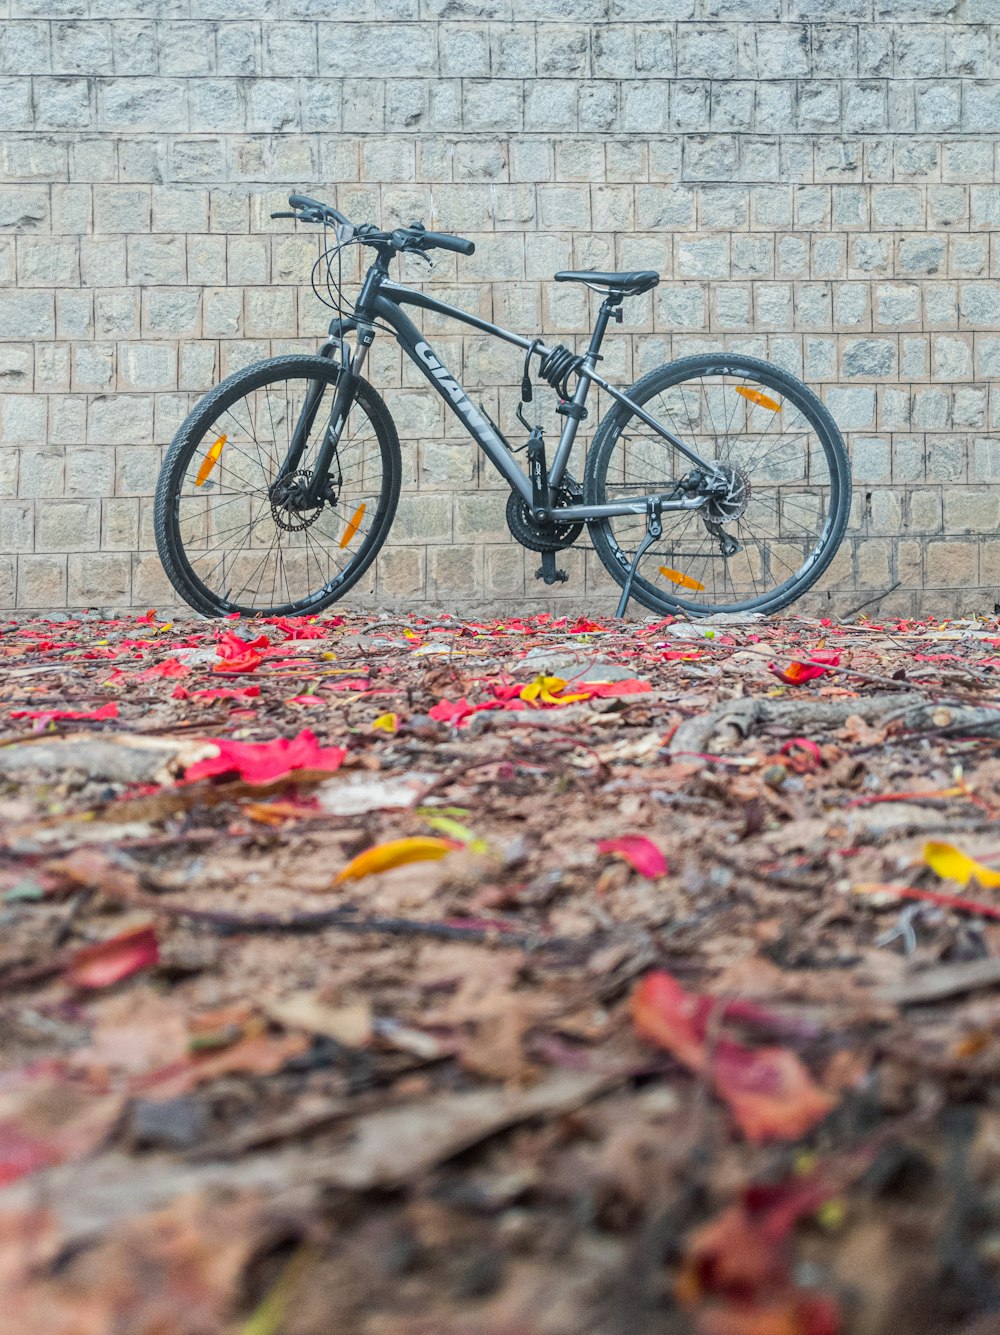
(231, 531)
(777, 529)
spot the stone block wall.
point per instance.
(816, 180)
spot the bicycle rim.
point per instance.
(770, 537)
(238, 538)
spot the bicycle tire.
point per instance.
(609, 434)
(192, 432)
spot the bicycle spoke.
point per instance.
(251, 538)
(772, 496)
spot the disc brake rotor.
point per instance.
(725, 506)
(286, 509)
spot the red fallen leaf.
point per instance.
(264, 762)
(306, 701)
(796, 673)
(110, 961)
(769, 1092)
(110, 710)
(640, 853)
(170, 667)
(737, 1269)
(505, 690)
(22, 1154)
(803, 754)
(238, 655)
(351, 684)
(298, 628)
(451, 711)
(609, 689)
(798, 1314)
(216, 693)
(664, 1013)
(754, 1016)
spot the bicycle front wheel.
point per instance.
(232, 529)
(771, 536)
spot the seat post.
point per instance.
(609, 305)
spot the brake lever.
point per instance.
(284, 215)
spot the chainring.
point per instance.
(552, 537)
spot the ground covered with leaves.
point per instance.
(537, 977)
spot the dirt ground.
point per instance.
(410, 976)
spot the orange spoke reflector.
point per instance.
(209, 462)
(755, 396)
(675, 577)
(354, 525)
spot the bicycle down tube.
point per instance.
(386, 306)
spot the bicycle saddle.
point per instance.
(628, 284)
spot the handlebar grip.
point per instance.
(444, 241)
(323, 210)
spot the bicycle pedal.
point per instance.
(547, 570)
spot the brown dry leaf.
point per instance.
(392, 1147)
(349, 1024)
(856, 732)
(133, 1033)
(260, 1054)
(190, 1258)
(46, 1119)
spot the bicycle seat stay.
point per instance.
(629, 284)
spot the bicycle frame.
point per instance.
(382, 300)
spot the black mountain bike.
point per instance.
(716, 483)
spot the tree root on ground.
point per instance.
(731, 722)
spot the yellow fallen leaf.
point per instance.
(547, 689)
(387, 722)
(951, 864)
(395, 853)
(270, 1314)
(454, 829)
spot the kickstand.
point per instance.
(654, 530)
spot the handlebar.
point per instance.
(445, 241)
(415, 237)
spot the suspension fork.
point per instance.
(343, 399)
